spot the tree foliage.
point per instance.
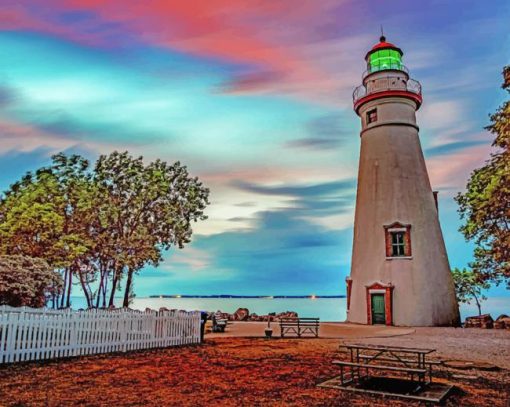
(468, 287)
(27, 281)
(485, 206)
(103, 224)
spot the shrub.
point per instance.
(27, 281)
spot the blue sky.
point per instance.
(255, 98)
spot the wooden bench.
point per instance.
(299, 326)
(219, 325)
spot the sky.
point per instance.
(255, 97)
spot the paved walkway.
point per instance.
(326, 330)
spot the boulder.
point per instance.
(502, 322)
(241, 314)
(287, 314)
(484, 321)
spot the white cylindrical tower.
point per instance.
(400, 273)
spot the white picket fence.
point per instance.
(33, 334)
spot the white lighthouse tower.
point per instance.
(400, 273)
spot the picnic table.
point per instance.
(364, 358)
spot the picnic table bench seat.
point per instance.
(299, 326)
(381, 367)
(410, 361)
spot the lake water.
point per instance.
(327, 309)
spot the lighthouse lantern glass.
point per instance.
(384, 59)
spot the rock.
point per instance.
(502, 322)
(484, 321)
(241, 314)
(287, 314)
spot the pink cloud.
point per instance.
(26, 138)
(452, 172)
(279, 41)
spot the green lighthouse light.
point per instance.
(384, 59)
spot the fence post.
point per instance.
(123, 331)
(73, 343)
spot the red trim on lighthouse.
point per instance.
(348, 280)
(383, 45)
(388, 93)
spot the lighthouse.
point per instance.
(400, 273)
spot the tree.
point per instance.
(149, 209)
(46, 215)
(469, 287)
(102, 224)
(27, 281)
(485, 206)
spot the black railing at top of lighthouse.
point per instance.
(386, 83)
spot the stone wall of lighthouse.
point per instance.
(394, 197)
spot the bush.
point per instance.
(27, 281)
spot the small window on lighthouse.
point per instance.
(397, 244)
(371, 116)
(398, 240)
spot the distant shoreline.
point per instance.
(246, 296)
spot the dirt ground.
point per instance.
(221, 372)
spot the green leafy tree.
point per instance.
(468, 287)
(47, 215)
(149, 208)
(485, 206)
(31, 221)
(27, 281)
(103, 224)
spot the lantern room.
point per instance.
(384, 56)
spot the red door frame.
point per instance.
(388, 301)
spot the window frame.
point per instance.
(398, 245)
(398, 250)
(372, 116)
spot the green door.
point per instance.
(378, 314)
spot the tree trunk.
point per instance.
(85, 290)
(62, 298)
(478, 305)
(115, 280)
(128, 288)
(69, 287)
(105, 287)
(101, 285)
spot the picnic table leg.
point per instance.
(358, 368)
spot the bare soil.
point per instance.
(222, 372)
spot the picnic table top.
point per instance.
(389, 348)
